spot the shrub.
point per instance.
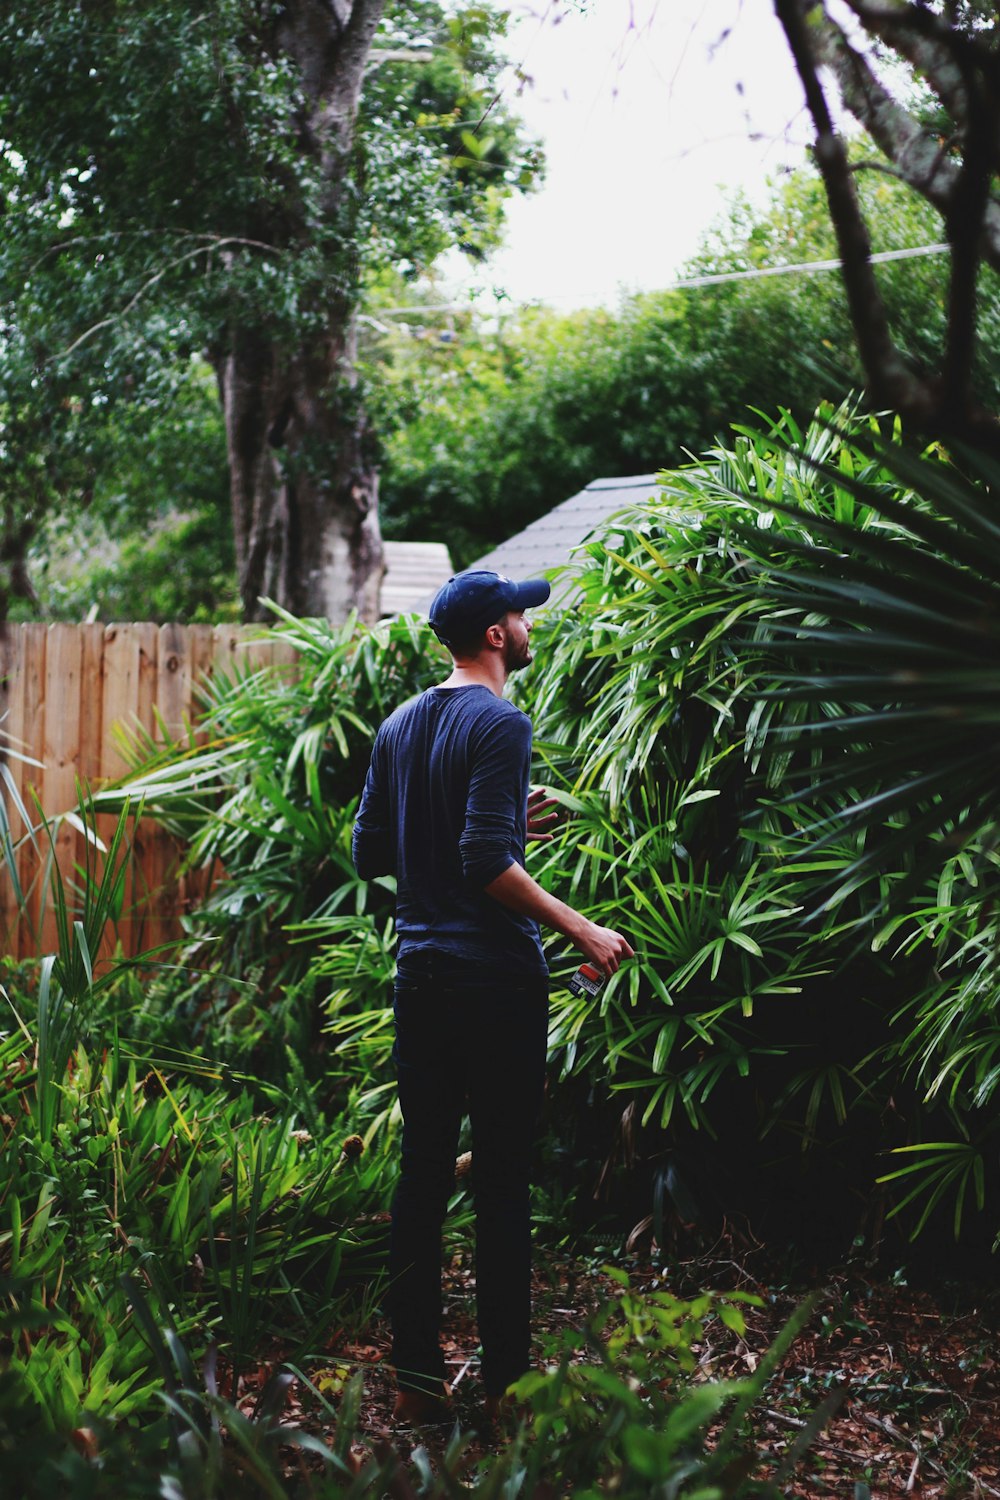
(776, 1034)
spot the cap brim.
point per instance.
(531, 593)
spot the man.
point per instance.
(446, 810)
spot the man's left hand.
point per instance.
(539, 820)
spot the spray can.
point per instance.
(586, 981)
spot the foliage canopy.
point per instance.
(489, 422)
(214, 181)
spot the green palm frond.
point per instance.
(888, 635)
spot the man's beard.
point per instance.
(516, 658)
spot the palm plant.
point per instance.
(704, 712)
(889, 623)
(622, 1400)
(884, 626)
(722, 744)
(267, 793)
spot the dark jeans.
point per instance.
(477, 1048)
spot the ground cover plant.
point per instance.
(148, 1188)
(178, 1238)
(167, 1226)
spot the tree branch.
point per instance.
(878, 166)
(344, 86)
(965, 217)
(216, 243)
(963, 75)
(936, 45)
(890, 379)
(920, 158)
(331, 54)
(945, 402)
(924, 41)
(330, 49)
(113, 237)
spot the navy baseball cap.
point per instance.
(470, 602)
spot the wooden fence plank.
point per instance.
(173, 712)
(146, 872)
(195, 884)
(228, 655)
(201, 648)
(228, 663)
(272, 652)
(92, 703)
(121, 695)
(120, 709)
(29, 693)
(9, 658)
(150, 841)
(60, 755)
(8, 655)
(173, 679)
(92, 738)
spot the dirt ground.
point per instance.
(916, 1372)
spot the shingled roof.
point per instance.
(548, 542)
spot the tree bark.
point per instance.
(15, 579)
(303, 483)
(22, 502)
(304, 489)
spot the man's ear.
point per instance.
(495, 634)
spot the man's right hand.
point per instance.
(515, 889)
(604, 947)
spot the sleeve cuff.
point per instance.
(482, 872)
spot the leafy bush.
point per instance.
(181, 566)
(776, 1035)
(270, 798)
(730, 711)
(246, 1209)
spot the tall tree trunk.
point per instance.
(15, 539)
(303, 484)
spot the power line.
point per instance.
(714, 278)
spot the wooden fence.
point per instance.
(62, 689)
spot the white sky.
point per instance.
(650, 111)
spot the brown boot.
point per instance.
(423, 1408)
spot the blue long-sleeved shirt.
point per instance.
(444, 809)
